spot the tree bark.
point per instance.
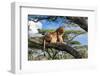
(81, 21)
(58, 46)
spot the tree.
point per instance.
(61, 47)
(81, 21)
(70, 35)
(52, 50)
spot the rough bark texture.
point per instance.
(81, 21)
(61, 47)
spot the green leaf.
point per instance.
(74, 32)
(75, 43)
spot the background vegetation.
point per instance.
(35, 51)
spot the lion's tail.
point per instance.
(44, 44)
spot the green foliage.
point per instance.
(52, 54)
(75, 43)
(74, 32)
(43, 31)
(48, 30)
(69, 36)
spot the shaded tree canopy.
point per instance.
(69, 35)
(81, 21)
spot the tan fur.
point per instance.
(54, 37)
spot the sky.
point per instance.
(52, 25)
(83, 39)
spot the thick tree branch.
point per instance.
(61, 47)
(81, 21)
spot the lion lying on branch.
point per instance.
(54, 37)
